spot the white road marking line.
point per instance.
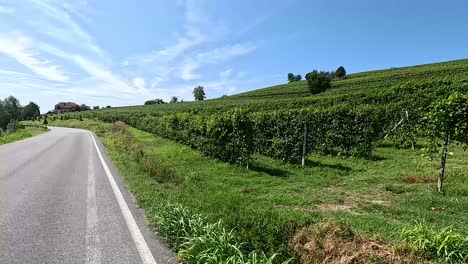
(93, 249)
(138, 239)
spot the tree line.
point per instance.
(198, 94)
(318, 81)
(11, 110)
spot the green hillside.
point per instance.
(354, 85)
(367, 81)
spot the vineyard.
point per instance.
(360, 153)
(286, 123)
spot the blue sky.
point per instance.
(117, 53)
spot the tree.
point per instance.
(108, 106)
(297, 78)
(318, 81)
(96, 107)
(290, 77)
(10, 109)
(29, 111)
(340, 72)
(45, 121)
(155, 101)
(84, 107)
(448, 122)
(199, 93)
(174, 99)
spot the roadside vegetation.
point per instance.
(20, 132)
(283, 175)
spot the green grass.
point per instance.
(268, 203)
(21, 134)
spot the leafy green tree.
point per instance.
(199, 93)
(96, 107)
(290, 77)
(448, 122)
(84, 107)
(174, 99)
(297, 78)
(45, 121)
(340, 72)
(318, 81)
(108, 106)
(155, 101)
(10, 109)
(29, 111)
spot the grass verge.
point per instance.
(21, 134)
(268, 205)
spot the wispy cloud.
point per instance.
(20, 48)
(203, 43)
(215, 56)
(63, 52)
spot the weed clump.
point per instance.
(446, 244)
(198, 241)
(119, 127)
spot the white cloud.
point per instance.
(215, 56)
(20, 48)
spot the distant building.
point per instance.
(63, 107)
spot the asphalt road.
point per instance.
(62, 201)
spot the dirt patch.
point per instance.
(380, 202)
(334, 242)
(248, 190)
(336, 207)
(297, 208)
(416, 179)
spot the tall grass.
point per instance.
(445, 244)
(200, 242)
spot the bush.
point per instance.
(318, 81)
(445, 244)
(340, 72)
(119, 127)
(13, 126)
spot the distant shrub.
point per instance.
(119, 127)
(294, 78)
(445, 244)
(318, 81)
(290, 77)
(155, 101)
(199, 93)
(45, 121)
(174, 99)
(340, 72)
(13, 126)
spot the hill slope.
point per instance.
(366, 83)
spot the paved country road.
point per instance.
(62, 201)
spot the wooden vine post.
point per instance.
(443, 162)
(304, 145)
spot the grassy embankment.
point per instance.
(268, 204)
(21, 134)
